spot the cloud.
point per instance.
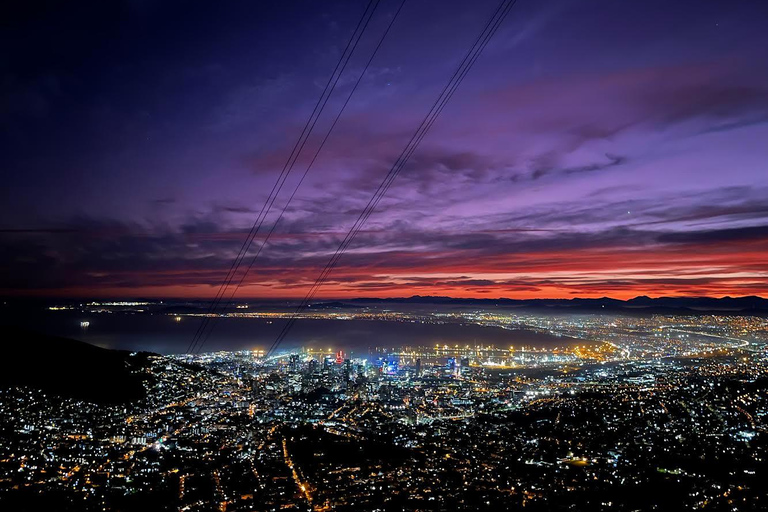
(191, 259)
(716, 236)
(679, 102)
(235, 209)
(547, 166)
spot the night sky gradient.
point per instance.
(597, 148)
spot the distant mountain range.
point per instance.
(70, 368)
(641, 304)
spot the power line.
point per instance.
(453, 83)
(282, 177)
(420, 133)
(312, 161)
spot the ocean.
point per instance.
(163, 334)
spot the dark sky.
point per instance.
(597, 148)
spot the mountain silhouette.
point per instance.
(70, 368)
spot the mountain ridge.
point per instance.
(749, 303)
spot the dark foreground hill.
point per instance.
(70, 368)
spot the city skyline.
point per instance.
(599, 411)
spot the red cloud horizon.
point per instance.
(733, 268)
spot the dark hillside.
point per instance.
(70, 368)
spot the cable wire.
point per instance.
(285, 172)
(458, 76)
(311, 163)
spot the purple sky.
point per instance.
(597, 148)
